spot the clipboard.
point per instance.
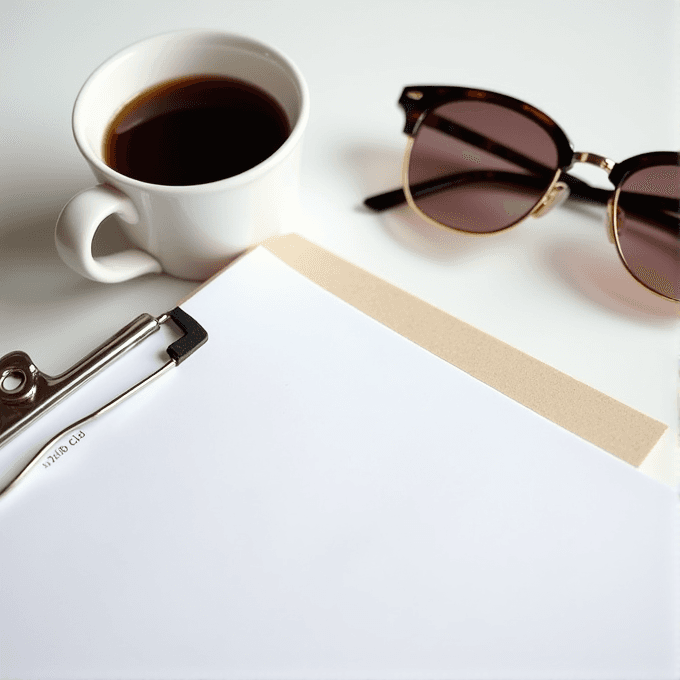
(360, 540)
(621, 430)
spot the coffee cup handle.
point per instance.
(77, 225)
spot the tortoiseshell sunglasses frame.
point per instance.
(418, 100)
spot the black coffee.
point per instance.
(195, 130)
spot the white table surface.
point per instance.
(554, 287)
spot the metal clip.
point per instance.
(27, 393)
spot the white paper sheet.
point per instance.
(313, 496)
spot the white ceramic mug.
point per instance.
(186, 231)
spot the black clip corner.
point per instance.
(194, 336)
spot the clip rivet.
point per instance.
(12, 380)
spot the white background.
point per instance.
(554, 287)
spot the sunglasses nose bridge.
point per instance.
(602, 162)
(607, 165)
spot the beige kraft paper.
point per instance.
(597, 418)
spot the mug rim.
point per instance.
(242, 178)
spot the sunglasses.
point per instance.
(481, 162)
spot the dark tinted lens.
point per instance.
(479, 167)
(648, 227)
